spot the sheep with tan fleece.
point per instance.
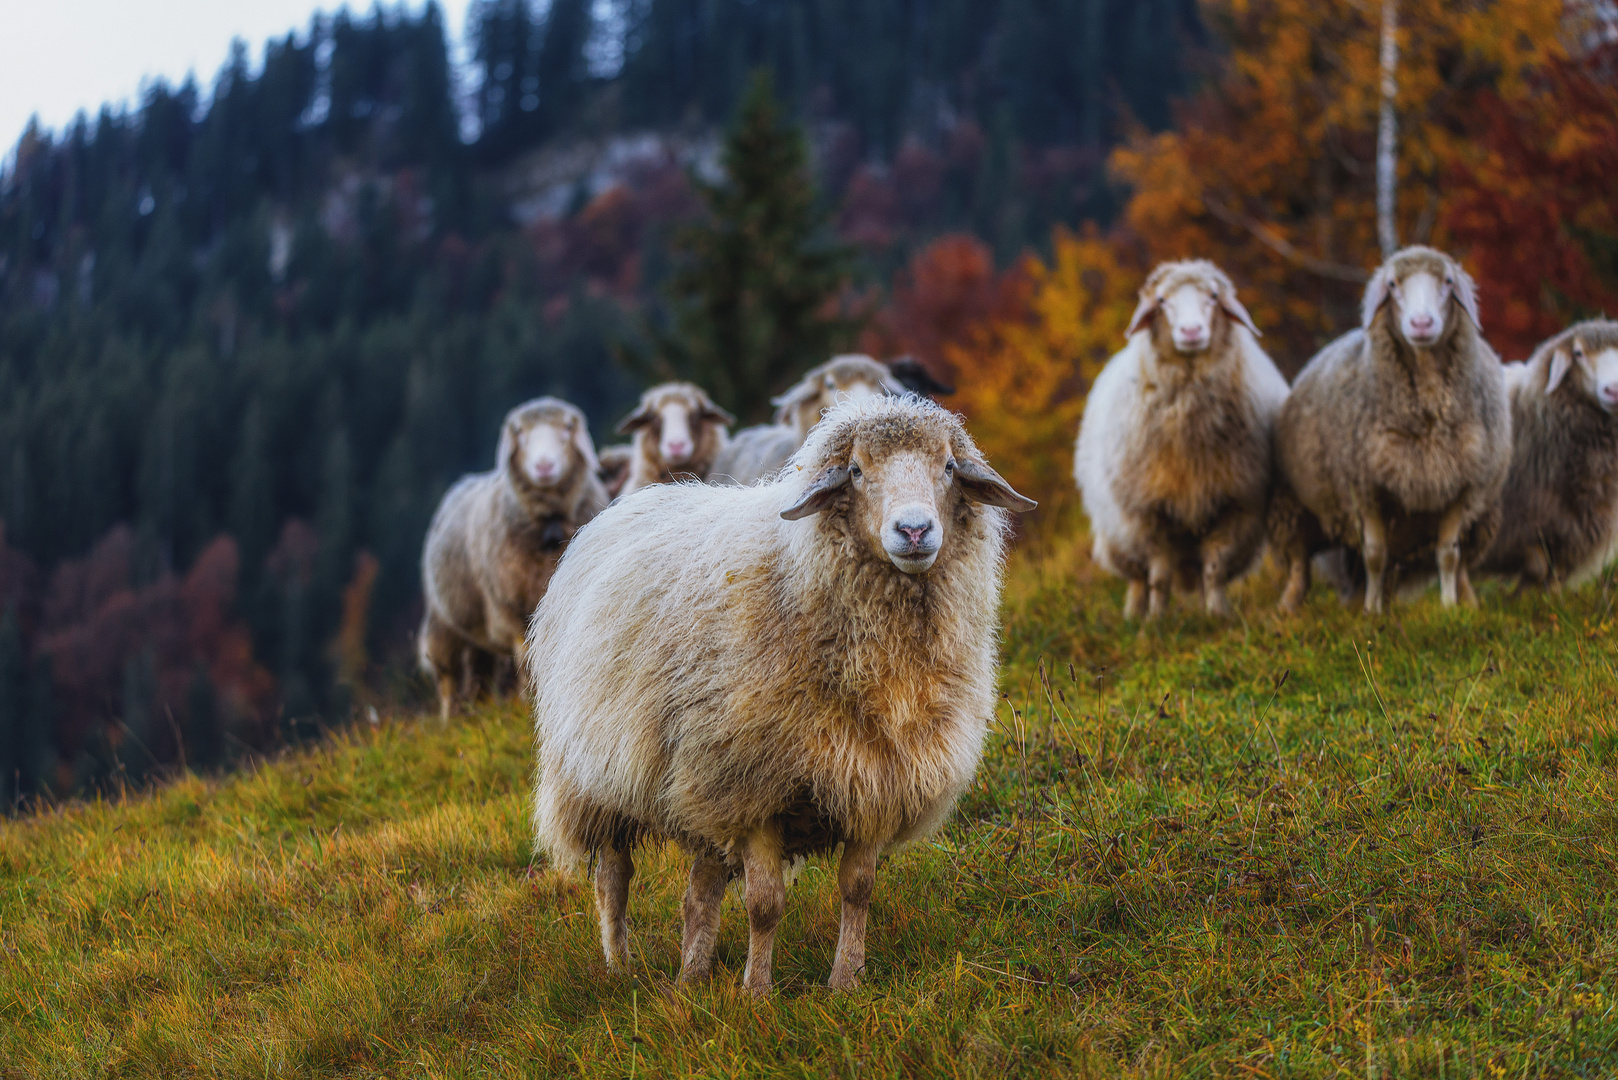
(496, 537)
(678, 433)
(1395, 442)
(1560, 506)
(1173, 455)
(762, 672)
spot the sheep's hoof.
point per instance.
(843, 980)
(1219, 607)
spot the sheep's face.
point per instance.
(1594, 367)
(545, 445)
(1419, 286)
(898, 500)
(679, 419)
(902, 487)
(545, 451)
(1189, 312)
(673, 430)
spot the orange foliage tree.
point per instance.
(1022, 379)
(1270, 169)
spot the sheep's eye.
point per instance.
(949, 468)
(854, 471)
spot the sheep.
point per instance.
(758, 673)
(678, 432)
(760, 451)
(614, 467)
(496, 537)
(1173, 456)
(1396, 439)
(1560, 504)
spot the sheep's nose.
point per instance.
(915, 531)
(1421, 324)
(1193, 333)
(679, 449)
(1609, 393)
(544, 470)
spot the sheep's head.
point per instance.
(1188, 303)
(1421, 287)
(854, 376)
(1588, 353)
(545, 444)
(899, 470)
(680, 418)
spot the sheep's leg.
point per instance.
(856, 876)
(1536, 568)
(766, 900)
(1374, 549)
(702, 898)
(614, 867)
(1160, 579)
(1449, 554)
(1463, 582)
(1135, 599)
(1217, 548)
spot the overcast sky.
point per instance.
(60, 56)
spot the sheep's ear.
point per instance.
(1149, 303)
(509, 434)
(637, 419)
(983, 485)
(1233, 308)
(1466, 294)
(1376, 294)
(831, 480)
(1561, 364)
(584, 446)
(709, 411)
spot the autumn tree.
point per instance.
(1271, 169)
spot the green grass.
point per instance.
(1325, 846)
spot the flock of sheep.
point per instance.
(800, 651)
(1403, 448)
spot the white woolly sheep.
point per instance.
(760, 451)
(678, 432)
(1173, 455)
(1560, 519)
(1396, 438)
(496, 538)
(763, 672)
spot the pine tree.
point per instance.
(754, 300)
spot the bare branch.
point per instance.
(1302, 259)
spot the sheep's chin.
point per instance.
(1190, 350)
(913, 564)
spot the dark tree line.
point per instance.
(249, 333)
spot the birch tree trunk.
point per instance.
(1387, 153)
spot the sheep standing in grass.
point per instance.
(1396, 438)
(678, 432)
(496, 538)
(1173, 456)
(760, 451)
(1560, 505)
(764, 672)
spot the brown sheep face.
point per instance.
(1596, 372)
(901, 493)
(854, 377)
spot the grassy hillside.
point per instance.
(1313, 847)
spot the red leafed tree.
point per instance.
(940, 300)
(1536, 208)
(97, 622)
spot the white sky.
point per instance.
(60, 56)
